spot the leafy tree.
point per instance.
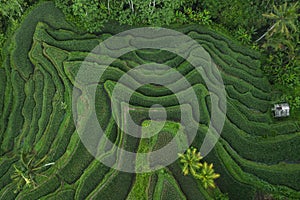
(10, 15)
(11, 12)
(191, 161)
(88, 15)
(153, 12)
(234, 14)
(11, 9)
(92, 15)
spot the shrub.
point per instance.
(92, 177)
(249, 178)
(14, 125)
(170, 192)
(250, 114)
(60, 143)
(62, 194)
(251, 63)
(45, 188)
(253, 128)
(23, 37)
(274, 174)
(219, 36)
(233, 71)
(187, 184)
(7, 98)
(260, 149)
(140, 188)
(29, 103)
(242, 87)
(7, 191)
(227, 181)
(74, 168)
(41, 34)
(2, 88)
(248, 100)
(155, 55)
(5, 179)
(43, 143)
(37, 110)
(232, 14)
(286, 128)
(117, 188)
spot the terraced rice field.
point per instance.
(255, 154)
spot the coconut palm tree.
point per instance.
(207, 175)
(285, 18)
(27, 169)
(191, 161)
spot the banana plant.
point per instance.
(204, 172)
(191, 161)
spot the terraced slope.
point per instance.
(255, 154)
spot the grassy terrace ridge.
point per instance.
(254, 154)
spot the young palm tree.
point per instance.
(207, 175)
(285, 18)
(27, 169)
(191, 161)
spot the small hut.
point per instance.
(281, 110)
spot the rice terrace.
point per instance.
(153, 125)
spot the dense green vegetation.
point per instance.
(41, 155)
(235, 18)
(282, 49)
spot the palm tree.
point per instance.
(27, 169)
(207, 175)
(191, 161)
(285, 18)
